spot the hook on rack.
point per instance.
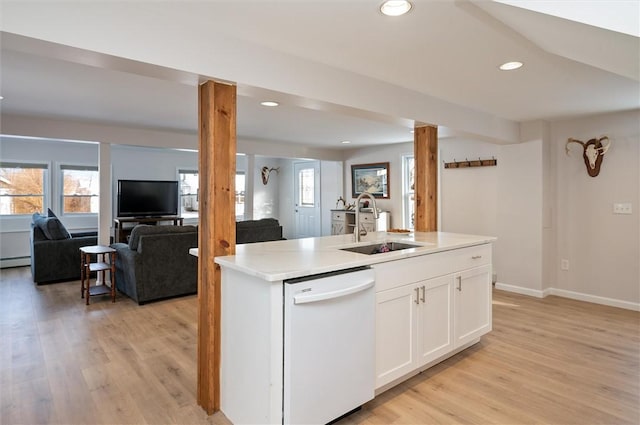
(475, 163)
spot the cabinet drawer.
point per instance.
(337, 216)
(472, 256)
(366, 217)
(401, 272)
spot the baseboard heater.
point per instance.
(6, 263)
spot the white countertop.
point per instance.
(279, 260)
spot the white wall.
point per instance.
(331, 183)
(287, 199)
(266, 202)
(518, 250)
(331, 189)
(144, 163)
(468, 196)
(127, 162)
(14, 231)
(603, 249)
(503, 201)
(136, 153)
(387, 153)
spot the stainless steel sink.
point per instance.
(379, 248)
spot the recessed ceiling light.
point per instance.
(510, 66)
(411, 131)
(346, 142)
(269, 103)
(395, 7)
(1, 97)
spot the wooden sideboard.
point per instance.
(123, 225)
(343, 221)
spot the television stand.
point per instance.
(122, 230)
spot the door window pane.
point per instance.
(307, 192)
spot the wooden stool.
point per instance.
(101, 265)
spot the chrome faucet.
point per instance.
(357, 223)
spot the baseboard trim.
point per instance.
(569, 294)
(14, 262)
(520, 290)
(595, 299)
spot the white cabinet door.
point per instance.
(337, 227)
(435, 330)
(472, 297)
(395, 333)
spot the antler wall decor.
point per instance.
(266, 172)
(592, 152)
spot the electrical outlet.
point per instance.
(564, 264)
(622, 208)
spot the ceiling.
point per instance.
(449, 50)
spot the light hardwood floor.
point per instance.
(551, 361)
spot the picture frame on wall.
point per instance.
(370, 178)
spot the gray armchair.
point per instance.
(57, 260)
(156, 263)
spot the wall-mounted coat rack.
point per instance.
(471, 163)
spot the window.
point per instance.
(189, 193)
(80, 189)
(22, 188)
(240, 188)
(408, 186)
(189, 185)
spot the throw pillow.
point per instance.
(52, 227)
(36, 216)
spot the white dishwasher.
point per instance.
(329, 345)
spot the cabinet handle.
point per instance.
(417, 295)
(475, 257)
(423, 294)
(459, 283)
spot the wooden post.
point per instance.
(425, 145)
(217, 230)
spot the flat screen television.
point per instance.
(147, 198)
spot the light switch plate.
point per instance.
(622, 208)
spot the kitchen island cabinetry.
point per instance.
(421, 317)
(413, 327)
(472, 304)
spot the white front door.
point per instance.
(307, 198)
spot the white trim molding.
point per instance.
(521, 290)
(594, 299)
(627, 305)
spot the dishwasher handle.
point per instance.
(311, 298)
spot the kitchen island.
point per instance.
(431, 301)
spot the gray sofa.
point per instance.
(156, 263)
(263, 230)
(55, 254)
